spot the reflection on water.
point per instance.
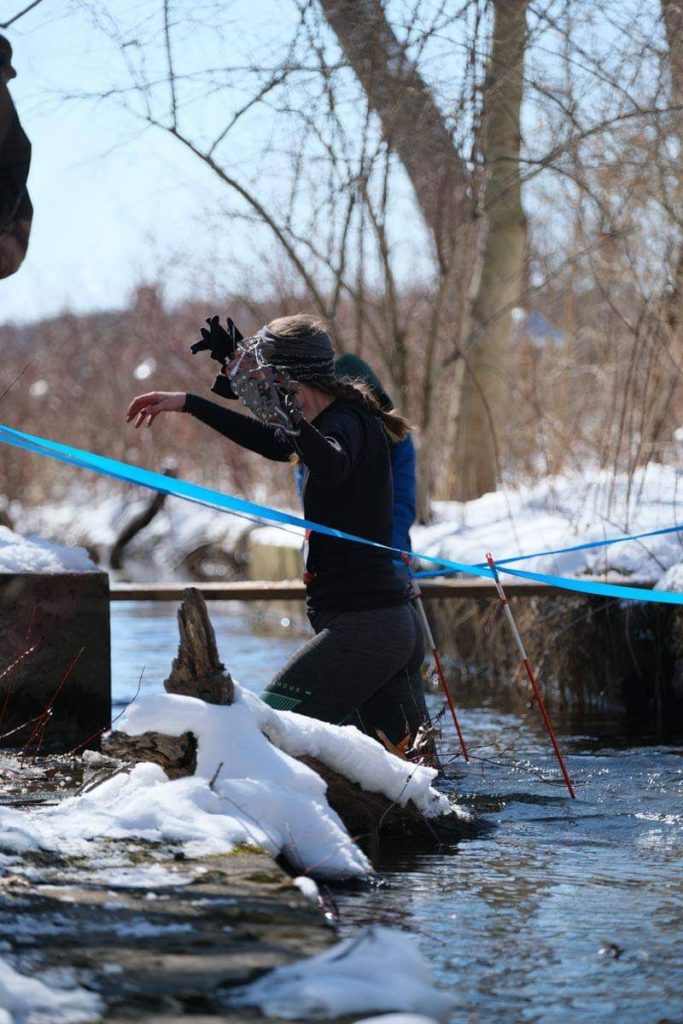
(144, 639)
(565, 910)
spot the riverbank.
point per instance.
(138, 930)
(123, 928)
(150, 933)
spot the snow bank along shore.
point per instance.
(562, 511)
(379, 970)
(582, 504)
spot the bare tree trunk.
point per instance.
(412, 124)
(415, 129)
(672, 12)
(669, 339)
(485, 354)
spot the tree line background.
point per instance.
(484, 198)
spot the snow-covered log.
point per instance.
(369, 816)
(372, 791)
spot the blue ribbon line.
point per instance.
(594, 544)
(601, 589)
(428, 574)
(196, 493)
(229, 503)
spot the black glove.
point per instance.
(221, 343)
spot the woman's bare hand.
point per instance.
(145, 408)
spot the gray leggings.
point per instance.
(360, 667)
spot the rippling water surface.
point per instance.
(563, 910)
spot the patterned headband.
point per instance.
(303, 358)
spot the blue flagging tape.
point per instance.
(198, 494)
(563, 551)
(594, 544)
(229, 503)
(601, 589)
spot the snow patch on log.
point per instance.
(265, 796)
(354, 755)
(345, 749)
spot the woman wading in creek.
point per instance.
(363, 664)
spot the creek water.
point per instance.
(561, 910)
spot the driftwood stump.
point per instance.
(197, 671)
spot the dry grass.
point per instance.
(591, 654)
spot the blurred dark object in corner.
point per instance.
(16, 210)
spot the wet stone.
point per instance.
(170, 948)
(157, 934)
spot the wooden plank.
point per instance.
(293, 590)
(474, 588)
(249, 590)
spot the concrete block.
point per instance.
(46, 621)
(274, 555)
(269, 560)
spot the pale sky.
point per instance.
(113, 206)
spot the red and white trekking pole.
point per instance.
(416, 595)
(530, 672)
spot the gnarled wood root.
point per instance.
(177, 755)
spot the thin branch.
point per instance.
(21, 373)
(260, 210)
(6, 24)
(171, 71)
(276, 80)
